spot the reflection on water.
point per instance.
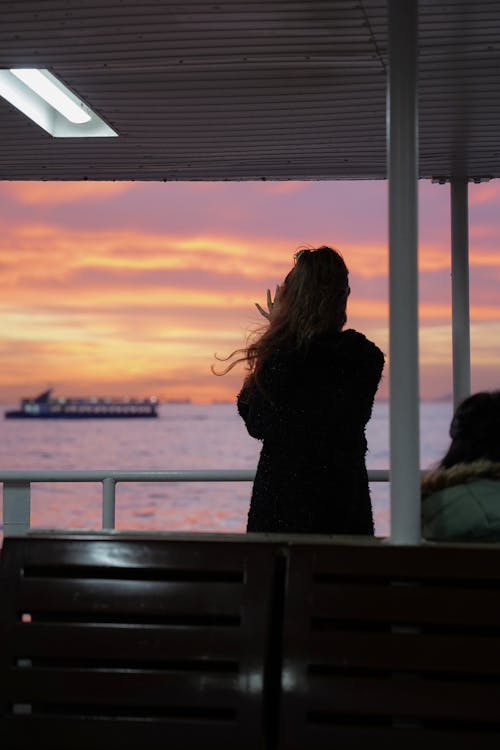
(185, 436)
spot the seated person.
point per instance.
(461, 497)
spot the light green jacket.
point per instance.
(462, 503)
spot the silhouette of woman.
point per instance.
(308, 396)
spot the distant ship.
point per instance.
(45, 406)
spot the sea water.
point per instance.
(185, 436)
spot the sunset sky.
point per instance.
(130, 288)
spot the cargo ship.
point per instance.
(45, 406)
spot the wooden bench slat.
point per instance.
(135, 642)
(148, 598)
(150, 552)
(153, 733)
(373, 559)
(126, 687)
(418, 604)
(474, 655)
(326, 737)
(402, 696)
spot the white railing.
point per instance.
(17, 487)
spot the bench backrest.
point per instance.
(110, 641)
(134, 643)
(399, 645)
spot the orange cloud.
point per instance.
(25, 249)
(285, 187)
(368, 309)
(130, 310)
(64, 192)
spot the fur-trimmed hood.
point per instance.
(440, 479)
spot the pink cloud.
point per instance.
(484, 192)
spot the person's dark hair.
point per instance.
(475, 430)
(312, 302)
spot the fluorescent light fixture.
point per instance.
(53, 93)
(48, 102)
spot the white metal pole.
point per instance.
(16, 507)
(108, 503)
(402, 154)
(460, 288)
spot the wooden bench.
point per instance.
(393, 647)
(123, 642)
(146, 641)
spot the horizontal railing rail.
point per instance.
(17, 487)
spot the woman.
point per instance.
(461, 498)
(308, 397)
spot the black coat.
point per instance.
(310, 411)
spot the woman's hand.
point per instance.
(271, 305)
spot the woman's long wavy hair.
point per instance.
(312, 302)
(475, 430)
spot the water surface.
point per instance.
(185, 436)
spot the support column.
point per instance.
(402, 152)
(460, 288)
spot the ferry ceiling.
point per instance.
(268, 89)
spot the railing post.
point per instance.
(108, 503)
(16, 508)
